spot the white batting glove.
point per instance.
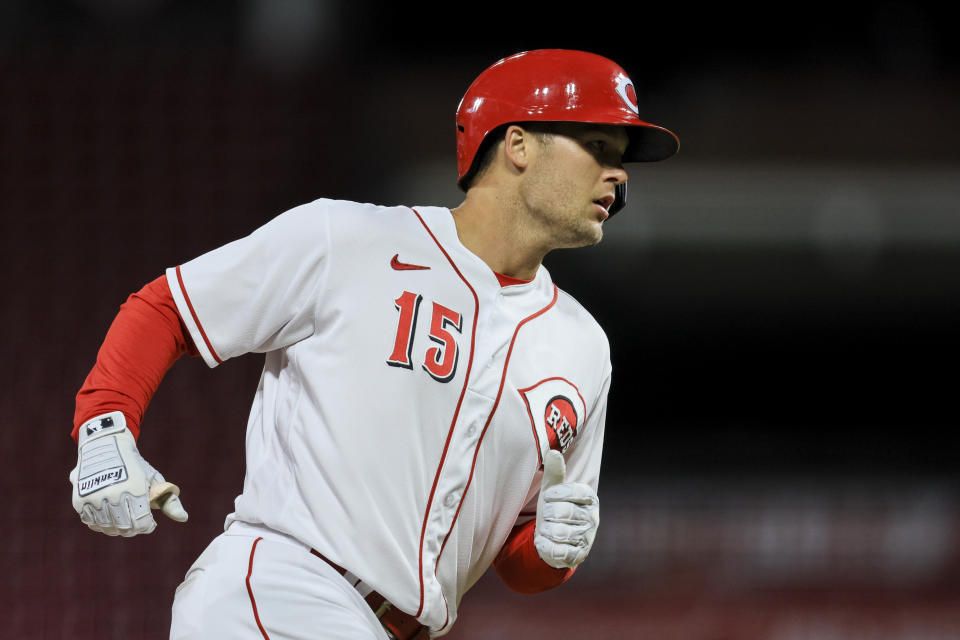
(568, 514)
(113, 486)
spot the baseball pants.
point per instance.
(254, 583)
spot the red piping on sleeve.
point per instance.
(193, 313)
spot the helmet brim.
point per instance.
(649, 143)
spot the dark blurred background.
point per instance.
(781, 297)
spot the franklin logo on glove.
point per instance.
(102, 479)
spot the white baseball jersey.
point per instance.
(407, 397)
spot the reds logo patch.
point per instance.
(561, 421)
(626, 90)
(556, 411)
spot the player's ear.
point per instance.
(516, 146)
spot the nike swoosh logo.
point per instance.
(403, 266)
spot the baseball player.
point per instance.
(430, 404)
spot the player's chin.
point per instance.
(595, 230)
(580, 232)
(598, 236)
(589, 235)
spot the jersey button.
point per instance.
(472, 430)
(450, 500)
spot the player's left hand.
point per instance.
(568, 514)
(114, 488)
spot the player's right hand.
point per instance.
(114, 488)
(568, 514)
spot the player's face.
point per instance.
(571, 186)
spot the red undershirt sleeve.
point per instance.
(520, 567)
(145, 339)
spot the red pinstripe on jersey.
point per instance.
(193, 313)
(253, 602)
(496, 403)
(456, 412)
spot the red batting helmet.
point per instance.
(556, 85)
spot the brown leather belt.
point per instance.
(402, 626)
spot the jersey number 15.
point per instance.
(439, 361)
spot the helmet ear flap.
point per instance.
(620, 198)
